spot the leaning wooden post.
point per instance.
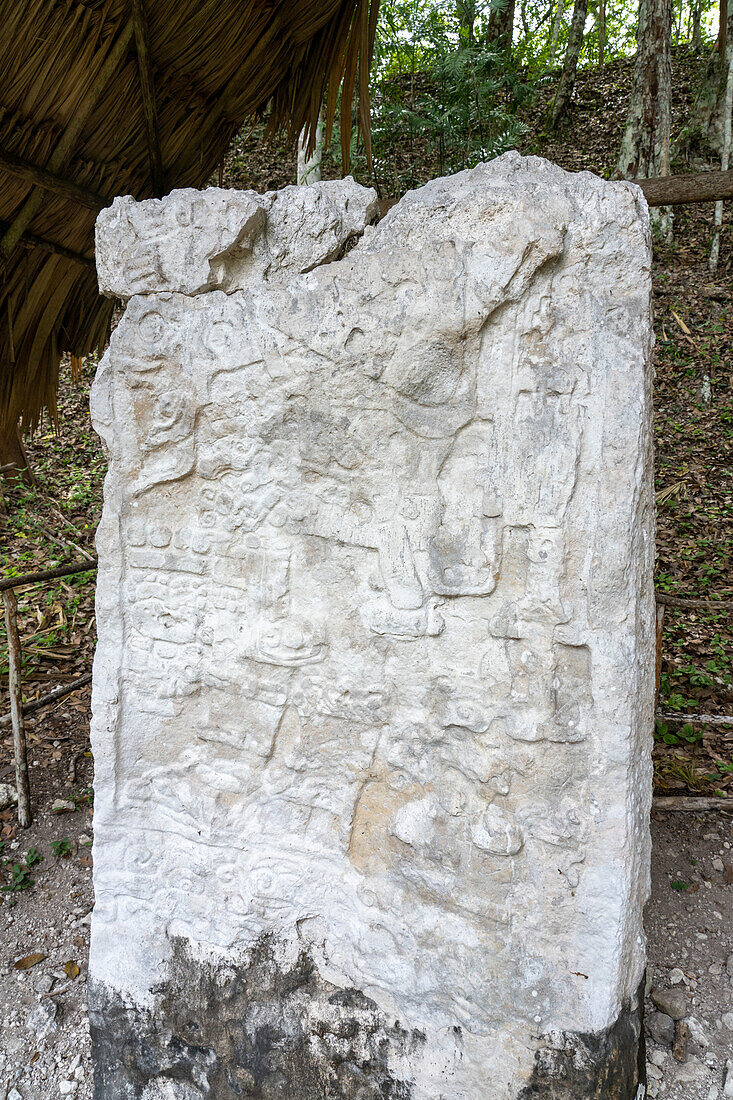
(16, 709)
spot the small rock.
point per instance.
(62, 806)
(697, 1035)
(67, 1087)
(661, 1028)
(42, 983)
(14, 1095)
(8, 796)
(693, 1072)
(717, 863)
(84, 841)
(729, 966)
(676, 976)
(672, 1002)
(42, 1019)
(654, 1071)
(727, 1019)
(658, 1057)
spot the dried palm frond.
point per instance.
(72, 103)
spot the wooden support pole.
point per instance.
(697, 719)
(694, 803)
(147, 90)
(16, 710)
(13, 455)
(41, 177)
(693, 605)
(695, 187)
(70, 136)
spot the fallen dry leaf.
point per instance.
(28, 961)
(71, 969)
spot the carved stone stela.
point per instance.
(373, 696)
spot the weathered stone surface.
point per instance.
(373, 694)
(193, 241)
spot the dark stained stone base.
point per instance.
(604, 1065)
(230, 1034)
(248, 1032)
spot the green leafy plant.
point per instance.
(687, 734)
(62, 849)
(20, 879)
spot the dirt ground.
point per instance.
(44, 1042)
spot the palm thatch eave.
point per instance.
(107, 97)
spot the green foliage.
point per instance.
(20, 876)
(61, 849)
(687, 734)
(459, 112)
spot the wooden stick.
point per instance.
(49, 181)
(694, 605)
(686, 802)
(68, 140)
(47, 574)
(51, 697)
(707, 719)
(147, 90)
(15, 659)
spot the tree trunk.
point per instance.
(645, 143)
(309, 167)
(570, 65)
(706, 126)
(718, 220)
(601, 33)
(723, 30)
(696, 19)
(466, 10)
(13, 456)
(500, 29)
(555, 32)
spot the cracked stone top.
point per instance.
(194, 241)
(373, 694)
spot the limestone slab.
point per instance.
(373, 695)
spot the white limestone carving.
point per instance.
(375, 605)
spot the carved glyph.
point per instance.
(374, 677)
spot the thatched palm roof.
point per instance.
(106, 97)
